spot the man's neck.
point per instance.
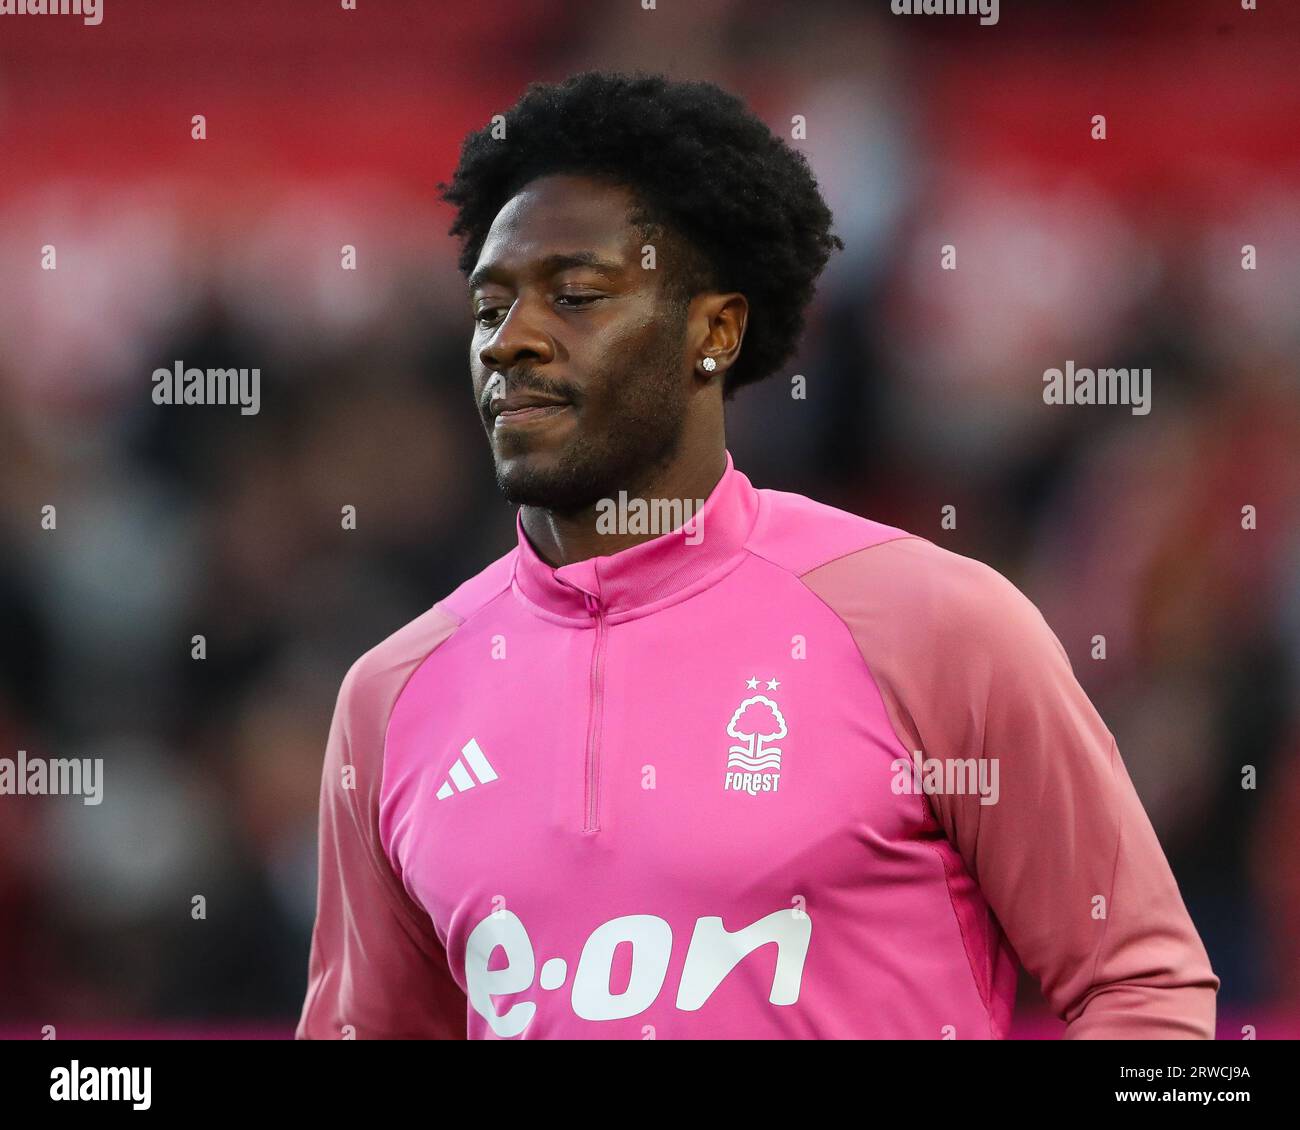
(564, 539)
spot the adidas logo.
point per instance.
(460, 776)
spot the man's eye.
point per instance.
(486, 314)
(578, 299)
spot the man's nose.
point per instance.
(519, 337)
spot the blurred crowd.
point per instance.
(924, 391)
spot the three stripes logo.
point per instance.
(460, 777)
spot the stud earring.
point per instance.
(708, 364)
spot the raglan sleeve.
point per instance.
(377, 969)
(1065, 857)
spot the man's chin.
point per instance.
(542, 479)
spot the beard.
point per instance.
(641, 434)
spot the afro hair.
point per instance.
(741, 206)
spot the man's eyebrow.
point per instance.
(551, 265)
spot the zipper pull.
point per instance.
(593, 604)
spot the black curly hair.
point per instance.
(739, 206)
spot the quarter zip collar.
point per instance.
(651, 574)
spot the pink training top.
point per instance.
(672, 792)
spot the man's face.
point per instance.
(577, 357)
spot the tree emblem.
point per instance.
(757, 720)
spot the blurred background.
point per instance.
(328, 127)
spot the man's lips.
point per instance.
(527, 413)
(524, 406)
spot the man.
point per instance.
(760, 768)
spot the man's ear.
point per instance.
(715, 331)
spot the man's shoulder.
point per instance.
(907, 596)
(858, 565)
(800, 534)
(381, 672)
